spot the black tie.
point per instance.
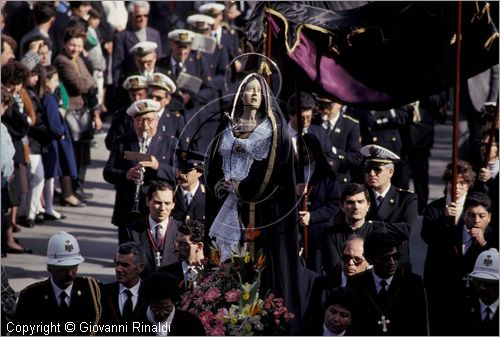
(178, 70)
(383, 291)
(380, 199)
(127, 306)
(487, 316)
(63, 305)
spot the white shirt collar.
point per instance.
(152, 225)
(493, 307)
(292, 131)
(58, 291)
(134, 289)
(377, 280)
(327, 332)
(332, 122)
(384, 193)
(193, 192)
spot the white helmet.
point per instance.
(486, 266)
(63, 250)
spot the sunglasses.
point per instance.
(356, 259)
(376, 169)
(388, 257)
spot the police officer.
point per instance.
(388, 203)
(63, 297)
(136, 87)
(343, 131)
(160, 89)
(194, 84)
(190, 191)
(126, 172)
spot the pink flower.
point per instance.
(289, 316)
(218, 330)
(232, 295)
(211, 294)
(219, 316)
(199, 300)
(205, 317)
(280, 311)
(277, 321)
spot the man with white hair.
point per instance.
(123, 42)
(481, 308)
(125, 171)
(63, 297)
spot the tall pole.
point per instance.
(457, 102)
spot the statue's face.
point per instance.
(252, 94)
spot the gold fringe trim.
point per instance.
(353, 33)
(95, 292)
(491, 39)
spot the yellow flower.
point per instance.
(247, 258)
(246, 295)
(234, 320)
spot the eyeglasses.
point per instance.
(356, 259)
(376, 169)
(388, 257)
(147, 121)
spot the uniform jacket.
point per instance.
(406, 308)
(345, 136)
(472, 321)
(115, 172)
(37, 303)
(185, 324)
(139, 232)
(123, 61)
(195, 210)
(398, 206)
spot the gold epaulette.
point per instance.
(202, 188)
(351, 118)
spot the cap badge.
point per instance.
(487, 262)
(183, 36)
(140, 50)
(68, 246)
(134, 82)
(373, 151)
(142, 106)
(157, 78)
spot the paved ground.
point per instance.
(98, 238)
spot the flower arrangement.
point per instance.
(227, 298)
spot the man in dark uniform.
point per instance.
(307, 106)
(481, 308)
(63, 297)
(225, 35)
(158, 230)
(138, 31)
(392, 301)
(344, 134)
(136, 86)
(122, 301)
(150, 156)
(389, 203)
(190, 192)
(194, 84)
(383, 128)
(160, 88)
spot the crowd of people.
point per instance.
(202, 153)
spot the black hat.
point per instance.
(159, 286)
(378, 243)
(188, 160)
